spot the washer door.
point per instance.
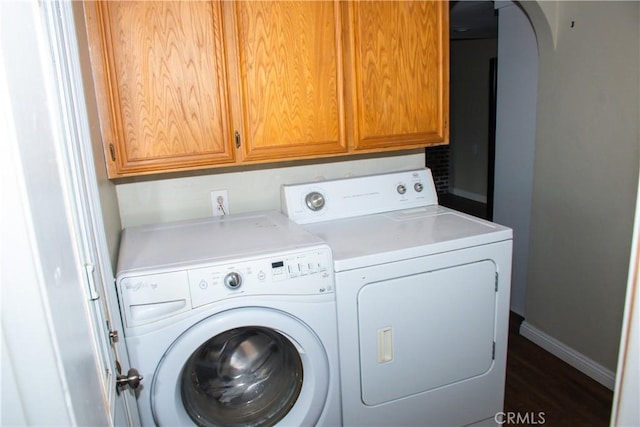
(249, 366)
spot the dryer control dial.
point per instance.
(314, 201)
(233, 280)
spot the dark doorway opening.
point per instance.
(463, 171)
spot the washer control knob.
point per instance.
(418, 186)
(233, 280)
(401, 189)
(315, 201)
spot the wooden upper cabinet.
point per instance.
(399, 92)
(198, 84)
(160, 75)
(289, 86)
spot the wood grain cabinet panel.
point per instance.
(199, 84)
(291, 79)
(159, 68)
(400, 73)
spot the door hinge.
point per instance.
(237, 137)
(113, 333)
(113, 337)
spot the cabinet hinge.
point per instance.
(112, 151)
(237, 136)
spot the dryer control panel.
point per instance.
(150, 297)
(319, 201)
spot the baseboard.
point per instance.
(468, 195)
(579, 361)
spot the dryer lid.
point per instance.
(393, 236)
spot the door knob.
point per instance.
(131, 379)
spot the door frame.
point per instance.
(80, 172)
(63, 370)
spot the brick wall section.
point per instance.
(438, 162)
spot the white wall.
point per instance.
(515, 137)
(585, 174)
(170, 199)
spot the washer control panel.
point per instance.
(150, 297)
(348, 197)
(304, 273)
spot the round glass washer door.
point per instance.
(243, 367)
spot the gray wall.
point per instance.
(585, 173)
(252, 189)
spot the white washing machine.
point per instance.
(231, 322)
(423, 299)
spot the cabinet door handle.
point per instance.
(112, 151)
(237, 139)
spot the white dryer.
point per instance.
(423, 299)
(231, 322)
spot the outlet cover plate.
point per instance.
(215, 205)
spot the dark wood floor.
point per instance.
(538, 382)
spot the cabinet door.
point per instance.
(290, 78)
(160, 76)
(400, 75)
